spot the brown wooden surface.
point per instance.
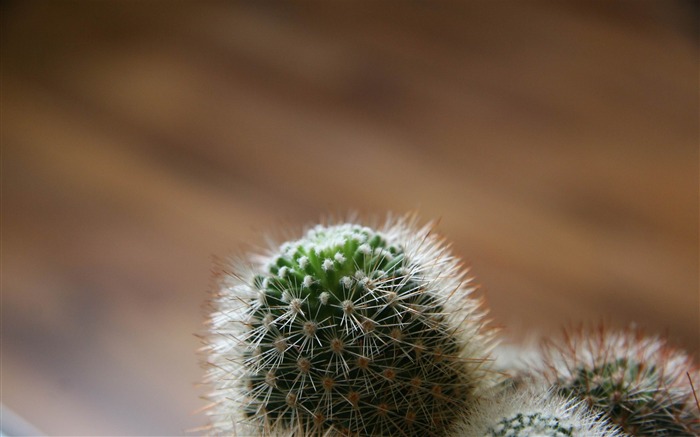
(557, 142)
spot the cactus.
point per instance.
(347, 331)
(639, 382)
(533, 412)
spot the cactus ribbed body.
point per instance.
(348, 331)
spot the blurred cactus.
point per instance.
(639, 382)
(533, 412)
(347, 331)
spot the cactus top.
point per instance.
(330, 263)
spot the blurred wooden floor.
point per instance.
(556, 141)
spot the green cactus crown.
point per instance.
(328, 267)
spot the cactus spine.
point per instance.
(639, 382)
(349, 330)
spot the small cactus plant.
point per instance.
(639, 382)
(347, 331)
(533, 412)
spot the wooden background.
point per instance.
(557, 142)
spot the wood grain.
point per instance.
(556, 142)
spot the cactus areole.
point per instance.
(345, 332)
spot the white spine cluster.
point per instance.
(533, 412)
